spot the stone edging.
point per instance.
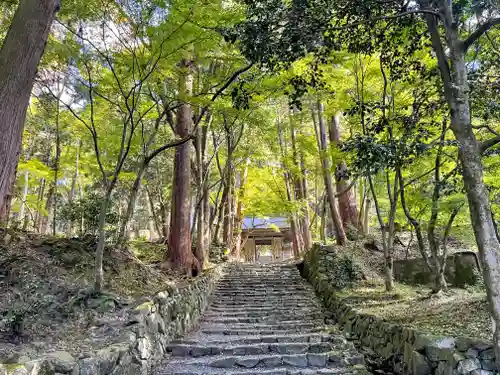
(406, 350)
(151, 326)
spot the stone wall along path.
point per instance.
(263, 319)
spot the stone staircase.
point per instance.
(264, 319)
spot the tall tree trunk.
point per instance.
(347, 200)
(456, 90)
(322, 229)
(227, 229)
(38, 215)
(200, 177)
(306, 225)
(287, 176)
(19, 57)
(366, 215)
(293, 221)
(56, 167)
(167, 219)
(154, 215)
(132, 199)
(220, 215)
(337, 222)
(239, 212)
(387, 235)
(22, 211)
(72, 191)
(44, 220)
(101, 230)
(301, 191)
(180, 254)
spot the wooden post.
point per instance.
(250, 250)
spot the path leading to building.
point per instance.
(264, 319)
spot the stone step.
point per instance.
(255, 331)
(264, 301)
(262, 310)
(263, 298)
(276, 305)
(284, 325)
(263, 320)
(271, 290)
(289, 284)
(258, 280)
(265, 361)
(262, 292)
(215, 340)
(255, 278)
(196, 350)
(275, 371)
(304, 313)
(218, 319)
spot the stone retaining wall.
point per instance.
(406, 350)
(462, 268)
(151, 326)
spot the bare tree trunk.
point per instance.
(322, 229)
(38, 215)
(227, 229)
(306, 234)
(22, 211)
(239, 211)
(439, 268)
(167, 219)
(339, 229)
(19, 57)
(456, 90)
(132, 199)
(44, 220)
(387, 235)
(293, 222)
(366, 215)
(72, 191)
(301, 193)
(180, 255)
(99, 256)
(347, 200)
(154, 215)
(151, 222)
(206, 189)
(200, 228)
(56, 170)
(220, 214)
(296, 245)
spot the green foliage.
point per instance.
(85, 213)
(346, 271)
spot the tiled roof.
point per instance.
(265, 222)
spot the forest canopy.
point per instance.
(175, 120)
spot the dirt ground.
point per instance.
(454, 312)
(46, 299)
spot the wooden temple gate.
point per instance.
(279, 240)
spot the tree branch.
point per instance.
(347, 188)
(483, 28)
(485, 145)
(384, 18)
(167, 146)
(487, 127)
(222, 89)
